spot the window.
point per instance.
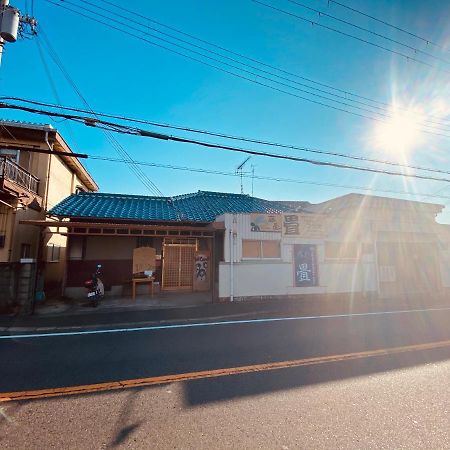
(341, 250)
(53, 252)
(261, 249)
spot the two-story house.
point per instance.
(33, 180)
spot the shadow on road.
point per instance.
(208, 390)
(123, 427)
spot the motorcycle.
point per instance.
(94, 285)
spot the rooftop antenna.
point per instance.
(240, 171)
(253, 177)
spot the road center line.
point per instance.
(190, 376)
(211, 324)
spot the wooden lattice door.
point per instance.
(178, 264)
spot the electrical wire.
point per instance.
(111, 139)
(426, 128)
(385, 113)
(118, 128)
(232, 66)
(366, 30)
(427, 41)
(231, 137)
(142, 177)
(240, 55)
(253, 176)
(266, 178)
(352, 36)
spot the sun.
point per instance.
(399, 134)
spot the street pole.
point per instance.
(3, 5)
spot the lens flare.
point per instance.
(399, 134)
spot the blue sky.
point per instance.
(120, 74)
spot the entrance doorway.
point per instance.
(178, 263)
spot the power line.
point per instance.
(374, 33)
(219, 172)
(343, 97)
(427, 41)
(232, 137)
(118, 128)
(267, 178)
(384, 114)
(240, 55)
(111, 139)
(425, 129)
(352, 36)
(249, 72)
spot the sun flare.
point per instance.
(400, 134)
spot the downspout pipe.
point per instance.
(231, 239)
(48, 171)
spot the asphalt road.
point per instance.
(399, 400)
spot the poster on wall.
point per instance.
(305, 265)
(202, 272)
(311, 226)
(265, 222)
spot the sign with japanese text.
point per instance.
(202, 275)
(305, 265)
(312, 226)
(265, 222)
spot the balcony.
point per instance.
(16, 179)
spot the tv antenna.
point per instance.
(240, 171)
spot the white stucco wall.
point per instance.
(273, 277)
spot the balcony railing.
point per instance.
(11, 171)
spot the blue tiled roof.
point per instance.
(202, 206)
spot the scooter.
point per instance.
(94, 285)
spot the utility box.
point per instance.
(9, 24)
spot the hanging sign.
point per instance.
(201, 281)
(312, 226)
(305, 265)
(265, 222)
(143, 259)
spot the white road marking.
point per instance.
(211, 324)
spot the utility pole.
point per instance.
(13, 25)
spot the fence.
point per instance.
(11, 171)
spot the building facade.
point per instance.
(31, 183)
(355, 245)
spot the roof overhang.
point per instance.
(123, 229)
(24, 136)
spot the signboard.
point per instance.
(265, 222)
(305, 265)
(312, 226)
(143, 259)
(202, 271)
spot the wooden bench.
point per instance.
(148, 280)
